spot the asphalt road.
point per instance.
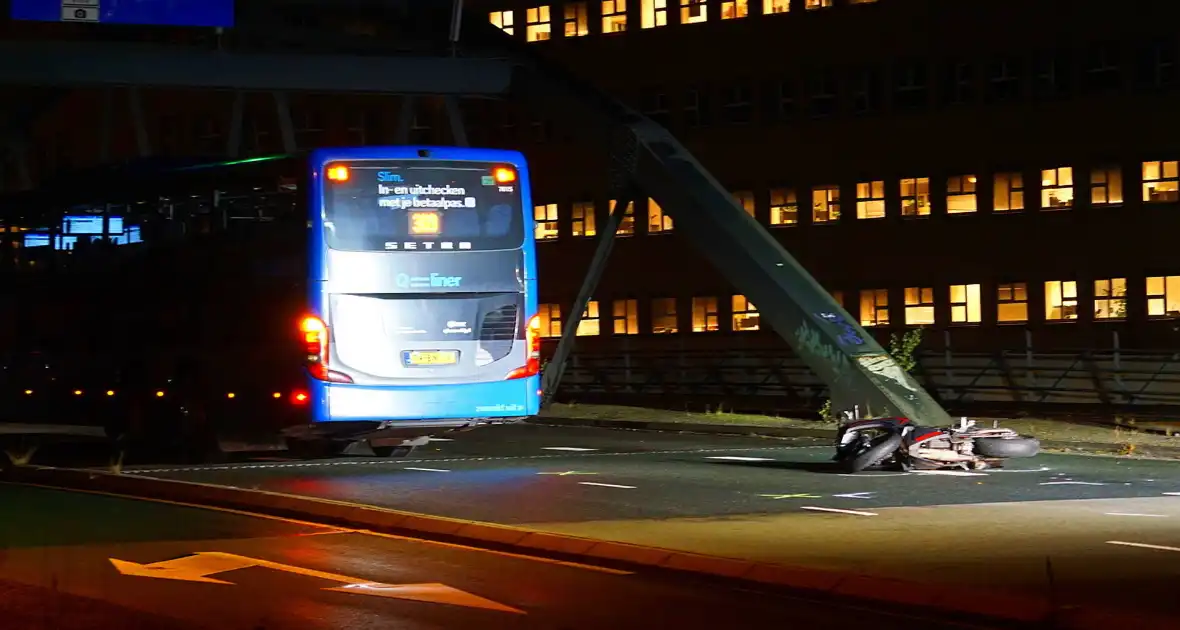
(73, 561)
(1054, 523)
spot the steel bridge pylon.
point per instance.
(646, 160)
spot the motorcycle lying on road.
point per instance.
(898, 443)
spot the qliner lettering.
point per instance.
(434, 280)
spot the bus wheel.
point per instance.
(393, 451)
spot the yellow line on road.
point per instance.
(331, 529)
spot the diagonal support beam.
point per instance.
(858, 371)
(555, 369)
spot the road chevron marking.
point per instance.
(398, 462)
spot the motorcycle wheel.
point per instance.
(880, 448)
(1007, 448)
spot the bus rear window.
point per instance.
(416, 205)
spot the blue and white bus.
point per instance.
(421, 290)
(375, 294)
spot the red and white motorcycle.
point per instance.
(899, 443)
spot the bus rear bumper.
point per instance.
(457, 405)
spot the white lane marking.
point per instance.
(574, 449)
(426, 469)
(871, 475)
(384, 462)
(853, 512)
(1134, 514)
(739, 458)
(1071, 483)
(606, 485)
(951, 473)
(1020, 470)
(1172, 494)
(1142, 545)
(855, 495)
(434, 439)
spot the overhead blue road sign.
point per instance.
(208, 13)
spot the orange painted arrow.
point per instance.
(198, 568)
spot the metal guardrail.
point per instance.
(774, 379)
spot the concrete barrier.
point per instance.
(1001, 606)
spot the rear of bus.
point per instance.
(422, 288)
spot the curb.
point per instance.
(935, 598)
(687, 427)
(748, 430)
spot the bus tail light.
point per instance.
(315, 343)
(504, 175)
(338, 173)
(532, 336)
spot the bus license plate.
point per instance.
(431, 357)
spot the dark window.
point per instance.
(1102, 69)
(1053, 76)
(653, 102)
(958, 83)
(822, 98)
(910, 86)
(1156, 67)
(779, 100)
(1005, 79)
(696, 107)
(865, 86)
(737, 103)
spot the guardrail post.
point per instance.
(1030, 373)
(551, 378)
(946, 355)
(627, 365)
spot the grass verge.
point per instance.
(1126, 440)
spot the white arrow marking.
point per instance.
(855, 495)
(738, 458)
(863, 475)
(426, 469)
(605, 485)
(567, 448)
(196, 568)
(1141, 545)
(854, 512)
